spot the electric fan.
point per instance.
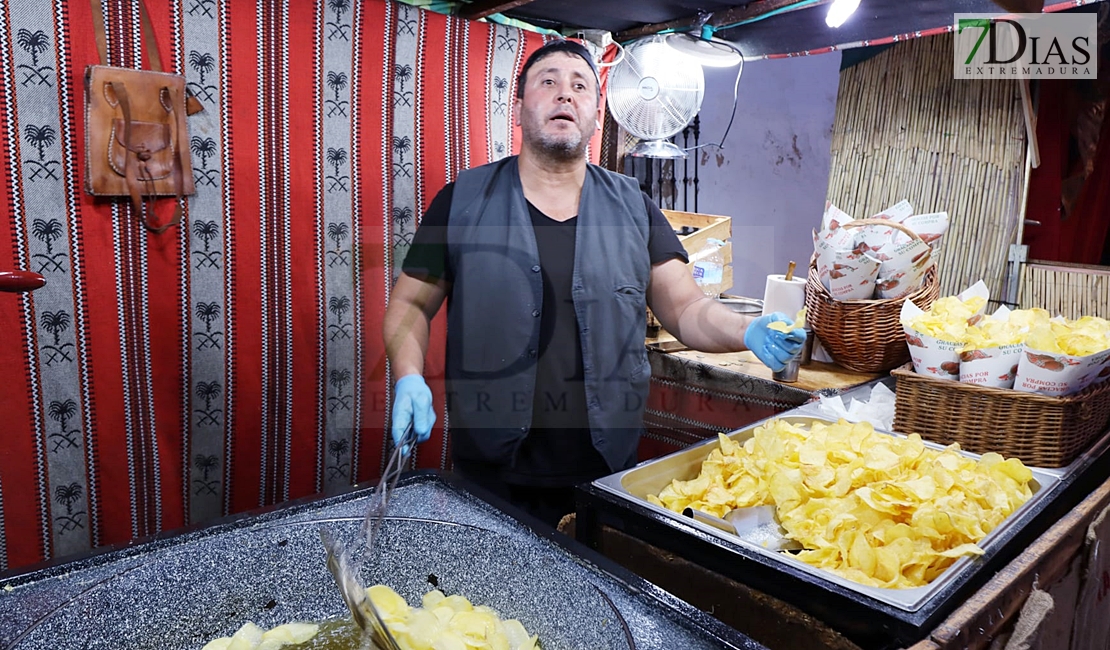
(653, 93)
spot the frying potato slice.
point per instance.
(449, 623)
(252, 637)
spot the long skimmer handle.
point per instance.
(379, 501)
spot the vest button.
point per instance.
(535, 313)
(532, 353)
(536, 268)
(524, 429)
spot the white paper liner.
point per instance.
(929, 227)
(899, 212)
(1049, 373)
(995, 366)
(852, 276)
(834, 217)
(904, 272)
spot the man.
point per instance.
(547, 264)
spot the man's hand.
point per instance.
(412, 404)
(772, 347)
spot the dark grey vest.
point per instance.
(493, 312)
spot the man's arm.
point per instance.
(694, 318)
(407, 322)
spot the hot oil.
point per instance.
(334, 634)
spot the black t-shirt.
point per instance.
(558, 450)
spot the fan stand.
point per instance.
(656, 149)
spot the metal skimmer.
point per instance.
(365, 614)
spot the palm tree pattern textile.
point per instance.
(235, 362)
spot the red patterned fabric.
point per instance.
(679, 415)
(236, 361)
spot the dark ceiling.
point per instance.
(766, 27)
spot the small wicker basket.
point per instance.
(865, 335)
(1039, 430)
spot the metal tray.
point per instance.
(652, 476)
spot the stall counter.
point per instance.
(696, 394)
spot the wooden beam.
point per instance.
(484, 8)
(749, 11)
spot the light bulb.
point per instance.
(839, 11)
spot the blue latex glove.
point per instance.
(412, 404)
(772, 347)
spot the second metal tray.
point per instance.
(652, 476)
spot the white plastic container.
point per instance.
(709, 268)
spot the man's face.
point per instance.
(559, 111)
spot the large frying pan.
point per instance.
(180, 592)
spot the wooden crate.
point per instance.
(708, 226)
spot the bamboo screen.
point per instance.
(905, 129)
(1072, 291)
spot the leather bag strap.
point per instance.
(98, 31)
(145, 209)
(192, 104)
(150, 45)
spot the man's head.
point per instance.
(558, 105)
(549, 48)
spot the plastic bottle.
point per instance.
(709, 268)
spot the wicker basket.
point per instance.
(865, 335)
(1040, 430)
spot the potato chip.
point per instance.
(786, 327)
(877, 509)
(947, 319)
(448, 623)
(1078, 338)
(1013, 329)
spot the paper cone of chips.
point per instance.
(833, 218)
(993, 347)
(936, 337)
(1063, 357)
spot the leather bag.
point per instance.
(136, 138)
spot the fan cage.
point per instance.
(680, 89)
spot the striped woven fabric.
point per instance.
(234, 362)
